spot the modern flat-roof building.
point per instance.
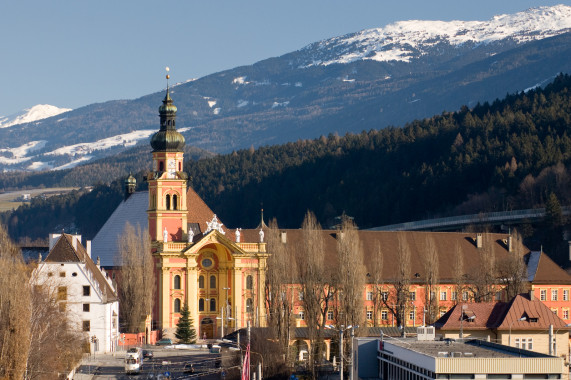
(412, 359)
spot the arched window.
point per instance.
(201, 304)
(249, 305)
(213, 304)
(168, 202)
(212, 282)
(249, 283)
(201, 282)
(174, 202)
(177, 305)
(177, 282)
(161, 166)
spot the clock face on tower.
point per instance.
(171, 168)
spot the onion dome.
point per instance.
(167, 138)
(130, 185)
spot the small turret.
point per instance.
(130, 185)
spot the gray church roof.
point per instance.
(133, 210)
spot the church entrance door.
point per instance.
(207, 328)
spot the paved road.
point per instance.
(206, 366)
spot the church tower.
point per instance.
(167, 182)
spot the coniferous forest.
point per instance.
(511, 154)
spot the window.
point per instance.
(369, 315)
(249, 283)
(177, 305)
(565, 314)
(443, 296)
(174, 202)
(168, 202)
(86, 326)
(454, 295)
(412, 315)
(554, 295)
(432, 295)
(464, 296)
(543, 295)
(566, 295)
(412, 296)
(50, 274)
(329, 315)
(530, 343)
(524, 343)
(384, 315)
(86, 290)
(201, 304)
(213, 304)
(369, 296)
(86, 307)
(249, 305)
(62, 274)
(384, 296)
(212, 282)
(554, 311)
(300, 296)
(301, 315)
(201, 282)
(498, 296)
(177, 282)
(62, 293)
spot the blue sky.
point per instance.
(74, 53)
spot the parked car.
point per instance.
(164, 342)
(188, 368)
(148, 354)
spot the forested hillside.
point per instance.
(513, 153)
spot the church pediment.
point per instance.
(217, 238)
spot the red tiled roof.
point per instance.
(198, 211)
(550, 273)
(502, 315)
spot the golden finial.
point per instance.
(167, 69)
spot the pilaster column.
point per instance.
(165, 301)
(192, 292)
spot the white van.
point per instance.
(133, 360)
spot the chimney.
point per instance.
(53, 240)
(478, 240)
(88, 247)
(74, 241)
(284, 239)
(531, 298)
(510, 244)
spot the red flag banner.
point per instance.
(246, 368)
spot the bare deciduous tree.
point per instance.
(431, 279)
(15, 310)
(512, 271)
(316, 284)
(398, 299)
(350, 274)
(279, 279)
(137, 280)
(483, 278)
(376, 278)
(459, 275)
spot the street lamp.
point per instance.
(510, 336)
(341, 330)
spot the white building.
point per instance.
(84, 288)
(412, 359)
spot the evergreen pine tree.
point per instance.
(185, 333)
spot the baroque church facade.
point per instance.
(217, 272)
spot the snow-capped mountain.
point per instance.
(37, 112)
(406, 40)
(365, 80)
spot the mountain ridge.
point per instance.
(274, 100)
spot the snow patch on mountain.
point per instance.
(37, 112)
(23, 150)
(126, 139)
(406, 40)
